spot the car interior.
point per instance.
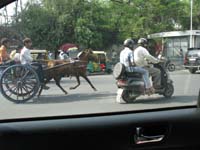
(176, 128)
(147, 130)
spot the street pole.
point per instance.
(191, 5)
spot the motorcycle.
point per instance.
(131, 84)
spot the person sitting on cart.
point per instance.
(15, 54)
(26, 59)
(3, 50)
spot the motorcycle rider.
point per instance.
(127, 59)
(142, 58)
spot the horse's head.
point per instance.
(87, 55)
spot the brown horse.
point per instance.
(59, 68)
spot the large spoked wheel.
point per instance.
(19, 83)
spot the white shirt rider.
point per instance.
(126, 57)
(25, 56)
(142, 57)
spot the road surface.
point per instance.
(84, 100)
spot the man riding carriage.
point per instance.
(56, 69)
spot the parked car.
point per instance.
(192, 60)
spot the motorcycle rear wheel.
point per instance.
(127, 97)
(169, 90)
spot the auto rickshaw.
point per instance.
(102, 65)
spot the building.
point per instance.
(176, 43)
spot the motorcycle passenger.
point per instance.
(142, 58)
(127, 58)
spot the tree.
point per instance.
(100, 23)
(40, 25)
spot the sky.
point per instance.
(10, 9)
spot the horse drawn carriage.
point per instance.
(20, 83)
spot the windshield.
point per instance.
(194, 52)
(150, 39)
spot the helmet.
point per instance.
(129, 43)
(142, 41)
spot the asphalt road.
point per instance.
(84, 100)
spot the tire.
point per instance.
(169, 90)
(192, 70)
(127, 98)
(19, 83)
(118, 70)
(171, 67)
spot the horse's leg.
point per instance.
(78, 81)
(40, 91)
(86, 78)
(41, 87)
(57, 80)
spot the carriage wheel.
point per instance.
(19, 83)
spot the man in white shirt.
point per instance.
(142, 58)
(25, 54)
(126, 58)
(63, 55)
(26, 59)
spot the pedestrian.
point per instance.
(182, 56)
(15, 54)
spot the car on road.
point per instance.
(192, 60)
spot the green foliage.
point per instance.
(100, 23)
(39, 24)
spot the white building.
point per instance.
(173, 41)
